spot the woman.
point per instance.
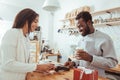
(15, 48)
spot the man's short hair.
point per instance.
(85, 15)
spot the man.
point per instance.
(97, 47)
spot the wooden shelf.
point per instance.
(105, 11)
(66, 28)
(96, 25)
(99, 24)
(95, 13)
(112, 23)
(67, 19)
(108, 23)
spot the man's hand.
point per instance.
(83, 55)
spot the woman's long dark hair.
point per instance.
(26, 15)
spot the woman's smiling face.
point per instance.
(34, 24)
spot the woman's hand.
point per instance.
(45, 67)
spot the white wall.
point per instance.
(4, 26)
(63, 41)
(9, 9)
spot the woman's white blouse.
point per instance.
(15, 53)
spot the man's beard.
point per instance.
(87, 31)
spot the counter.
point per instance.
(115, 70)
(68, 75)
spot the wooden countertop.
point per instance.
(68, 75)
(115, 69)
